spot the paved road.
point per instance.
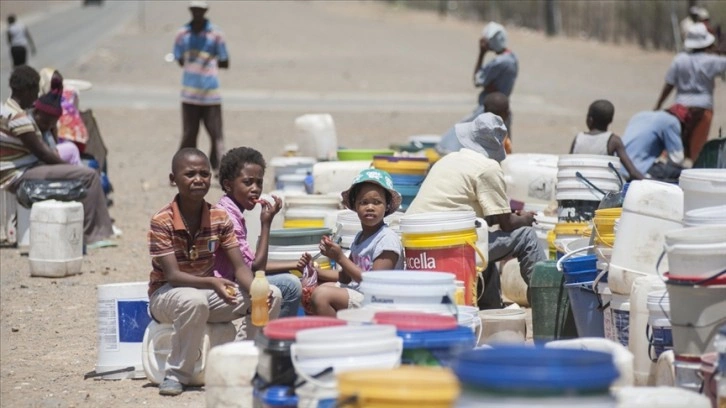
(65, 32)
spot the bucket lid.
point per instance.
(530, 369)
(409, 383)
(415, 321)
(706, 216)
(718, 175)
(279, 396)
(409, 278)
(460, 336)
(287, 327)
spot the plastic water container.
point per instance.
(503, 326)
(394, 288)
(428, 339)
(703, 188)
(580, 269)
(316, 135)
(696, 253)
(403, 387)
(344, 348)
(696, 314)
(622, 357)
(469, 317)
(661, 397)
(552, 317)
(535, 377)
(228, 377)
(336, 176)
(56, 238)
(513, 286)
(157, 346)
(707, 216)
(446, 241)
(660, 334)
(638, 339)
(586, 308)
(121, 319)
(665, 374)
(650, 209)
(531, 178)
(298, 166)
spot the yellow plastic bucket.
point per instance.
(604, 225)
(304, 223)
(409, 386)
(402, 165)
(565, 232)
(443, 242)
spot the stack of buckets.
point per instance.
(407, 174)
(311, 211)
(290, 173)
(576, 199)
(604, 229)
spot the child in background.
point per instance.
(183, 290)
(376, 247)
(241, 173)
(599, 140)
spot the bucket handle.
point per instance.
(597, 234)
(570, 254)
(480, 273)
(681, 283)
(589, 183)
(599, 276)
(611, 166)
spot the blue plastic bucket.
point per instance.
(279, 397)
(586, 309)
(408, 193)
(580, 269)
(539, 375)
(407, 179)
(435, 347)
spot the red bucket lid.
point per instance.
(416, 321)
(721, 280)
(287, 327)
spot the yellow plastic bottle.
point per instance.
(259, 291)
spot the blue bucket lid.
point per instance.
(437, 338)
(580, 263)
(520, 368)
(279, 396)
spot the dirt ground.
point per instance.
(371, 49)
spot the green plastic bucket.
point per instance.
(552, 317)
(297, 236)
(362, 154)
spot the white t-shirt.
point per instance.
(692, 74)
(463, 181)
(586, 143)
(17, 35)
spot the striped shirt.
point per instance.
(15, 157)
(200, 53)
(168, 235)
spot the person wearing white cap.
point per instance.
(200, 49)
(499, 74)
(471, 179)
(692, 75)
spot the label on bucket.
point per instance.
(459, 260)
(621, 322)
(121, 321)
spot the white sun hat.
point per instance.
(698, 37)
(496, 36)
(198, 4)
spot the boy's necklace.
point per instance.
(191, 250)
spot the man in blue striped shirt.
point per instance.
(200, 49)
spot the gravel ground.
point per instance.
(47, 326)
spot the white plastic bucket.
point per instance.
(659, 325)
(469, 317)
(347, 227)
(310, 218)
(664, 370)
(620, 307)
(637, 340)
(157, 346)
(696, 314)
(622, 357)
(299, 166)
(707, 216)
(313, 396)
(503, 326)
(393, 288)
(228, 377)
(531, 178)
(344, 348)
(513, 286)
(661, 397)
(336, 176)
(703, 188)
(314, 201)
(592, 167)
(56, 238)
(696, 253)
(360, 316)
(650, 209)
(316, 135)
(121, 318)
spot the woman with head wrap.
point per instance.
(70, 129)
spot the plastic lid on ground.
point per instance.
(416, 321)
(533, 369)
(286, 328)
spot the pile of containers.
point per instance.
(407, 174)
(582, 181)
